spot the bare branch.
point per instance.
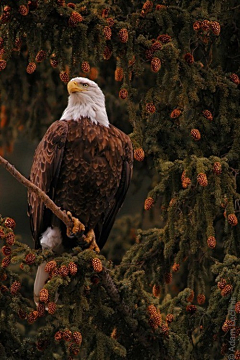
(62, 215)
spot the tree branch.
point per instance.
(62, 215)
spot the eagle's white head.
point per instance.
(86, 99)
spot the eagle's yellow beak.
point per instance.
(73, 87)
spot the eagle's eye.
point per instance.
(85, 85)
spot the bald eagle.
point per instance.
(84, 164)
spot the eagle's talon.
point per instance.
(77, 227)
(91, 240)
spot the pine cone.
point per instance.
(217, 168)
(191, 296)
(119, 74)
(77, 336)
(123, 94)
(64, 77)
(164, 38)
(41, 55)
(107, 31)
(164, 329)
(175, 114)
(168, 278)
(110, 22)
(6, 250)
(205, 25)
(63, 271)
(156, 290)
(52, 307)
(227, 325)
(208, 115)
(160, 7)
(139, 154)
(10, 238)
(195, 133)
(74, 350)
(23, 10)
(147, 7)
(156, 45)
(175, 267)
(30, 258)
(67, 335)
(31, 68)
(58, 336)
(201, 298)
(235, 79)
(41, 310)
(72, 267)
(75, 19)
(150, 108)
(188, 57)
(123, 35)
(232, 219)
(148, 203)
(169, 318)
(6, 261)
(15, 287)
(149, 54)
(186, 182)
(155, 64)
(44, 295)
(107, 53)
(2, 234)
(152, 310)
(211, 241)
(197, 25)
(85, 67)
(97, 265)
(71, 5)
(221, 284)
(10, 223)
(202, 179)
(191, 309)
(53, 61)
(226, 290)
(237, 307)
(215, 27)
(32, 317)
(50, 266)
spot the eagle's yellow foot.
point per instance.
(91, 240)
(77, 227)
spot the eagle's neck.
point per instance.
(82, 107)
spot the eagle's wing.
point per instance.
(44, 173)
(102, 230)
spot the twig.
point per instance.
(62, 215)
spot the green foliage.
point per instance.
(193, 154)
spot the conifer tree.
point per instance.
(170, 72)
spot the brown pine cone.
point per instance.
(85, 67)
(186, 182)
(191, 296)
(195, 133)
(58, 336)
(201, 298)
(110, 22)
(77, 336)
(228, 324)
(15, 287)
(23, 10)
(6, 250)
(30, 258)
(221, 284)
(164, 38)
(63, 271)
(31, 68)
(41, 310)
(217, 168)
(202, 179)
(67, 335)
(123, 35)
(107, 53)
(215, 27)
(175, 114)
(107, 31)
(208, 115)
(53, 61)
(97, 265)
(10, 223)
(169, 318)
(232, 219)
(191, 309)
(237, 307)
(10, 238)
(50, 266)
(71, 5)
(188, 57)
(226, 290)
(123, 94)
(6, 261)
(165, 329)
(75, 19)
(52, 307)
(44, 295)
(196, 25)
(155, 64)
(41, 55)
(205, 25)
(72, 268)
(148, 204)
(156, 45)
(32, 317)
(156, 290)
(235, 79)
(118, 74)
(139, 154)
(64, 77)
(147, 7)
(211, 241)
(150, 108)
(175, 267)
